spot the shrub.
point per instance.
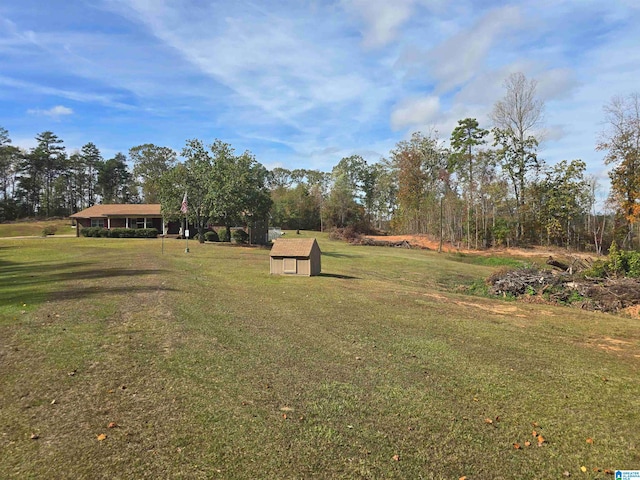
(146, 232)
(49, 230)
(620, 263)
(91, 231)
(240, 236)
(223, 236)
(211, 236)
(119, 232)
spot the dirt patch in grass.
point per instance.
(427, 242)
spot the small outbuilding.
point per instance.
(295, 256)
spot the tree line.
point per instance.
(484, 187)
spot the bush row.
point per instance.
(620, 263)
(119, 232)
(239, 236)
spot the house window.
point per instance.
(97, 222)
(140, 223)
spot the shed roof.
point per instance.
(112, 210)
(293, 247)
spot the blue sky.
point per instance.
(302, 84)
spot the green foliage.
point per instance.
(240, 236)
(91, 231)
(489, 261)
(479, 288)
(502, 232)
(49, 230)
(119, 232)
(619, 263)
(224, 237)
(211, 236)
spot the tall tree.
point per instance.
(516, 118)
(565, 193)
(418, 163)
(114, 180)
(465, 139)
(9, 161)
(46, 161)
(239, 186)
(621, 142)
(150, 162)
(220, 186)
(92, 159)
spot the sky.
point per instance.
(302, 84)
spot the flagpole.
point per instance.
(185, 209)
(186, 233)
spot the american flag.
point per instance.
(184, 208)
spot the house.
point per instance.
(124, 216)
(295, 256)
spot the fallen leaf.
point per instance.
(517, 446)
(608, 471)
(584, 469)
(566, 473)
(535, 424)
(284, 415)
(53, 402)
(534, 434)
(541, 440)
(590, 441)
(527, 443)
(35, 436)
(101, 437)
(488, 421)
(463, 478)
(596, 469)
(396, 458)
(112, 425)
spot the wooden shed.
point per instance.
(295, 256)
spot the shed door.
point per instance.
(290, 265)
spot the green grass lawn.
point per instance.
(382, 367)
(35, 228)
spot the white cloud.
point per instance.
(381, 18)
(417, 111)
(54, 112)
(458, 59)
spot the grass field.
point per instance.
(36, 227)
(128, 358)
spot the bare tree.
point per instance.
(520, 111)
(621, 142)
(515, 120)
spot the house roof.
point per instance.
(116, 210)
(293, 247)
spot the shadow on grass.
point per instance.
(340, 255)
(36, 282)
(335, 275)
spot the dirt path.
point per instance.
(424, 241)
